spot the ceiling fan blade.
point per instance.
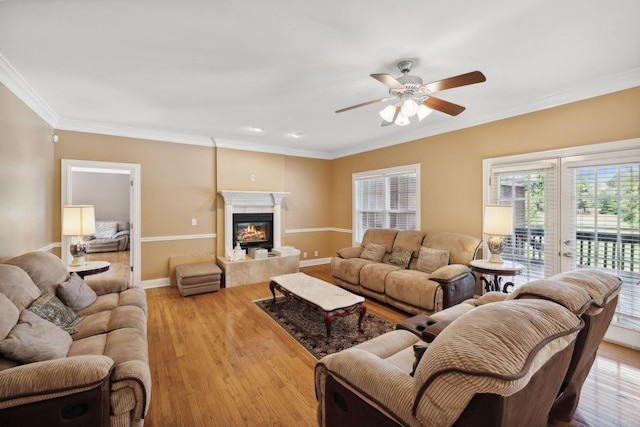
(395, 116)
(364, 104)
(457, 81)
(389, 81)
(443, 106)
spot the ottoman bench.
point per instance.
(198, 278)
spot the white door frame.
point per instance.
(134, 213)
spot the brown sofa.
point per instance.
(437, 275)
(95, 371)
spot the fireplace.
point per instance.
(253, 230)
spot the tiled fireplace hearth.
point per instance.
(254, 270)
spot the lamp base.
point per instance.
(78, 251)
(496, 245)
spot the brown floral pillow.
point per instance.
(373, 252)
(50, 308)
(400, 257)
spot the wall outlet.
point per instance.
(194, 222)
(315, 253)
(304, 255)
(252, 177)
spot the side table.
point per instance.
(507, 268)
(91, 267)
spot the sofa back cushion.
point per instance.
(45, 269)
(380, 236)
(17, 286)
(462, 248)
(106, 229)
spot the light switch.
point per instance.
(194, 222)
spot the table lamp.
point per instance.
(498, 223)
(78, 221)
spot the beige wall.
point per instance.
(28, 210)
(307, 180)
(178, 183)
(451, 164)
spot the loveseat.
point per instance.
(502, 360)
(110, 236)
(72, 353)
(415, 271)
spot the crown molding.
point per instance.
(10, 77)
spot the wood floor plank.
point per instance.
(218, 360)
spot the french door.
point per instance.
(576, 209)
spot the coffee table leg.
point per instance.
(272, 286)
(328, 320)
(362, 308)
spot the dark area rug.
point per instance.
(307, 326)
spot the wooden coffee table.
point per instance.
(330, 300)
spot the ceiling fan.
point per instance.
(413, 98)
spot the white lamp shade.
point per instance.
(409, 107)
(402, 120)
(387, 113)
(498, 220)
(78, 220)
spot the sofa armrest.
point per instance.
(121, 234)
(39, 381)
(457, 281)
(352, 252)
(102, 286)
(449, 273)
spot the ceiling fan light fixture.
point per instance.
(409, 107)
(423, 111)
(402, 120)
(387, 113)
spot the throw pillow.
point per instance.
(34, 339)
(75, 293)
(50, 308)
(9, 315)
(418, 351)
(373, 252)
(400, 257)
(429, 260)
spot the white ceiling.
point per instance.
(200, 71)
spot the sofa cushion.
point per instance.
(400, 257)
(462, 248)
(348, 270)
(45, 269)
(75, 293)
(9, 315)
(16, 285)
(49, 307)
(33, 339)
(373, 252)
(374, 275)
(134, 296)
(381, 236)
(429, 260)
(414, 287)
(126, 316)
(106, 229)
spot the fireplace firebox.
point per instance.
(253, 230)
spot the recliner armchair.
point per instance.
(497, 365)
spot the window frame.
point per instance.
(382, 173)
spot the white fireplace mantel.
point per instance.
(250, 202)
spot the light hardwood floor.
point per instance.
(217, 360)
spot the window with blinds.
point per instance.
(532, 191)
(387, 198)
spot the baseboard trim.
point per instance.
(155, 283)
(317, 261)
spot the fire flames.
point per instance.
(251, 233)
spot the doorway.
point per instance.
(77, 169)
(575, 209)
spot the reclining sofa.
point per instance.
(502, 360)
(415, 271)
(110, 236)
(95, 371)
